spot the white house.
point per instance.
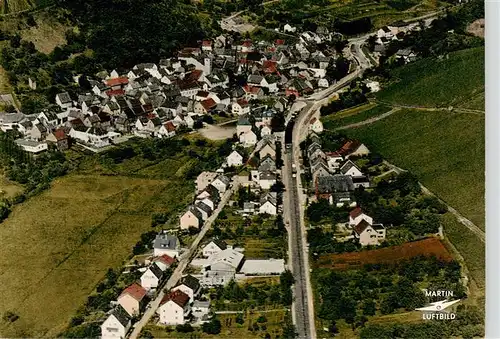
(316, 125)
(248, 138)
(116, 325)
(268, 203)
(190, 286)
(368, 234)
(152, 277)
(350, 168)
(288, 28)
(174, 308)
(166, 244)
(221, 183)
(32, 146)
(240, 107)
(221, 267)
(265, 130)
(64, 100)
(357, 215)
(333, 160)
(234, 159)
(267, 179)
(353, 148)
(213, 247)
(200, 309)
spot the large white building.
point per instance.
(174, 308)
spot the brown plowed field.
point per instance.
(430, 246)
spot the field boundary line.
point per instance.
(461, 219)
(370, 120)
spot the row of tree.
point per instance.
(354, 295)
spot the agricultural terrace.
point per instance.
(89, 221)
(453, 169)
(262, 236)
(426, 247)
(367, 14)
(456, 80)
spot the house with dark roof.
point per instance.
(221, 183)
(204, 209)
(350, 168)
(132, 299)
(165, 243)
(174, 308)
(189, 285)
(191, 218)
(356, 215)
(336, 189)
(64, 100)
(116, 324)
(368, 234)
(213, 247)
(152, 277)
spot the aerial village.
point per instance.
(174, 97)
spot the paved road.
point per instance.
(184, 261)
(298, 257)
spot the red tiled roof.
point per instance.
(251, 89)
(333, 154)
(280, 42)
(313, 120)
(166, 259)
(117, 81)
(242, 102)
(209, 103)
(203, 94)
(60, 135)
(349, 147)
(178, 297)
(356, 212)
(112, 93)
(170, 126)
(247, 43)
(136, 291)
(193, 76)
(207, 43)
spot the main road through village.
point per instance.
(294, 200)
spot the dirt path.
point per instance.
(369, 121)
(463, 220)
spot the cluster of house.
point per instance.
(387, 34)
(222, 263)
(209, 189)
(363, 228)
(265, 176)
(334, 176)
(155, 100)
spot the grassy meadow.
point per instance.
(453, 81)
(57, 246)
(445, 150)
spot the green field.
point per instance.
(438, 83)
(57, 246)
(15, 6)
(469, 246)
(352, 116)
(445, 150)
